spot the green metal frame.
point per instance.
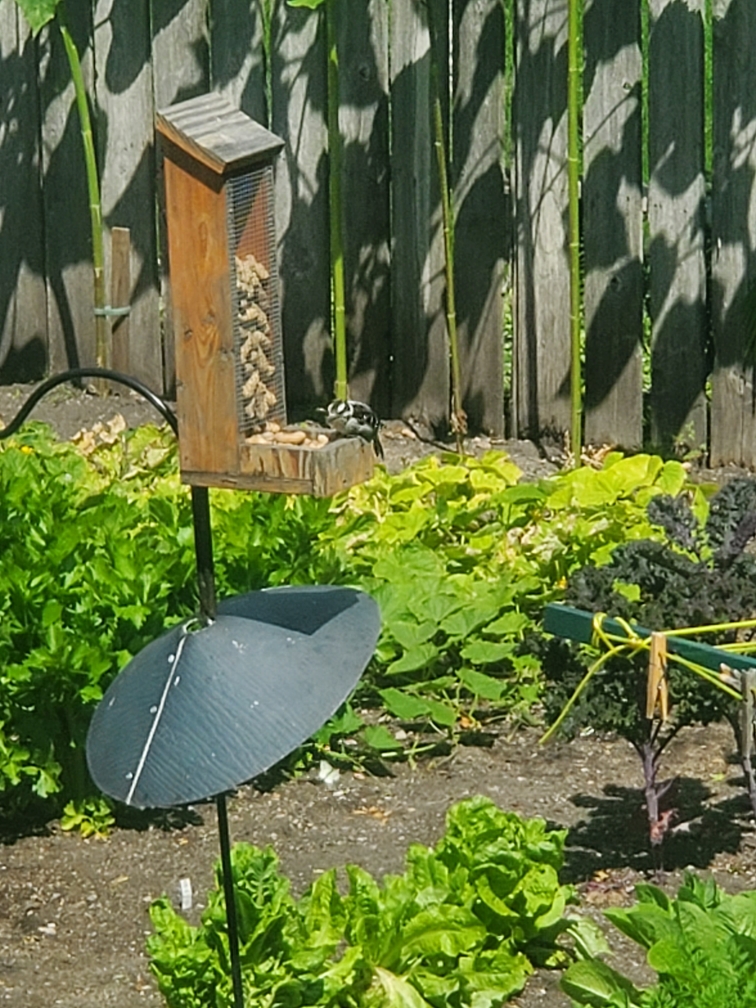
(577, 625)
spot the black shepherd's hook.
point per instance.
(203, 543)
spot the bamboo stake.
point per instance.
(458, 415)
(573, 184)
(120, 290)
(341, 387)
(93, 188)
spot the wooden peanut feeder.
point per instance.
(219, 197)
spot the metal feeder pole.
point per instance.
(228, 890)
(203, 547)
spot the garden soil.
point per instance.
(74, 912)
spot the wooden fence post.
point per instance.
(541, 354)
(482, 228)
(120, 294)
(299, 117)
(180, 69)
(237, 61)
(68, 233)
(124, 88)
(420, 368)
(733, 418)
(362, 29)
(23, 300)
(676, 220)
(612, 222)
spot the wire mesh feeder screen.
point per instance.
(258, 342)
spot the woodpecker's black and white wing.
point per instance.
(354, 419)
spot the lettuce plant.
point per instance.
(461, 927)
(702, 945)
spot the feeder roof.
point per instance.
(212, 131)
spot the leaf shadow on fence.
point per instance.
(677, 220)
(614, 833)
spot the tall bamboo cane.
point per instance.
(93, 188)
(573, 184)
(341, 387)
(39, 13)
(458, 415)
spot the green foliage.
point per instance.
(699, 577)
(97, 559)
(461, 558)
(702, 944)
(460, 927)
(90, 817)
(38, 12)
(90, 571)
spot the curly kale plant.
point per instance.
(702, 576)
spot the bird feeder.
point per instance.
(219, 189)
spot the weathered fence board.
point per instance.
(299, 115)
(482, 230)
(68, 233)
(420, 382)
(362, 41)
(541, 363)
(237, 61)
(180, 50)
(676, 220)
(612, 224)
(124, 91)
(180, 70)
(23, 300)
(733, 419)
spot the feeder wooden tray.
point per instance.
(321, 472)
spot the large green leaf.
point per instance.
(38, 12)
(415, 658)
(403, 705)
(592, 982)
(392, 991)
(481, 652)
(483, 685)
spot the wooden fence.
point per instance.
(669, 263)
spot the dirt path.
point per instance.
(73, 913)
